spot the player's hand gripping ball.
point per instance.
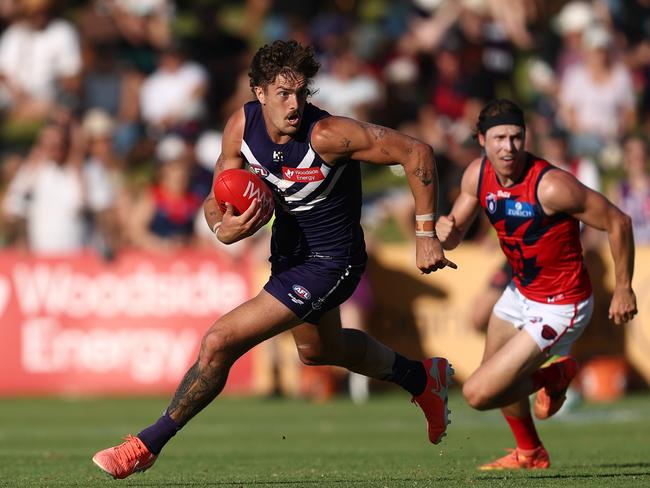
(240, 187)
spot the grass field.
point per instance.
(274, 443)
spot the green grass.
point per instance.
(272, 443)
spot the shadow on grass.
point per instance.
(303, 482)
(568, 476)
(623, 465)
(348, 482)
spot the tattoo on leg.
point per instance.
(198, 388)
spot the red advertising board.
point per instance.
(81, 325)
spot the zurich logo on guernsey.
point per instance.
(519, 209)
(301, 291)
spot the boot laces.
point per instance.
(130, 450)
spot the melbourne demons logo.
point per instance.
(301, 291)
(491, 202)
(548, 332)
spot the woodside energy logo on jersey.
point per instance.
(302, 175)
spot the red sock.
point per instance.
(546, 376)
(524, 431)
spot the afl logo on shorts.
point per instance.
(301, 291)
(491, 202)
(548, 332)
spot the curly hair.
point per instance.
(496, 108)
(287, 58)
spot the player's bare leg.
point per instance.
(504, 375)
(226, 340)
(503, 380)
(329, 343)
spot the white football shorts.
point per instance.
(553, 327)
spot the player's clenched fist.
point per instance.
(447, 232)
(445, 226)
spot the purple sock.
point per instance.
(408, 374)
(157, 435)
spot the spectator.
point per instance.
(54, 192)
(574, 18)
(108, 86)
(163, 217)
(632, 194)
(449, 92)
(181, 84)
(347, 89)
(596, 99)
(40, 62)
(144, 21)
(99, 132)
(145, 29)
(555, 149)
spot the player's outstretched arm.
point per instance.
(451, 228)
(340, 138)
(229, 227)
(560, 192)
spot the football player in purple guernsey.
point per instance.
(310, 160)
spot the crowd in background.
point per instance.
(111, 110)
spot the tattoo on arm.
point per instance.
(220, 163)
(345, 142)
(385, 151)
(425, 175)
(376, 131)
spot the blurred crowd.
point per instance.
(111, 110)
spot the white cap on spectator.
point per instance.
(401, 70)
(208, 148)
(141, 7)
(575, 17)
(428, 5)
(97, 123)
(170, 147)
(596, 37)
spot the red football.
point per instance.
(239, 187)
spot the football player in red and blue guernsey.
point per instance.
(536, 210)
(311, 162)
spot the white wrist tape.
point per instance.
(215, 227)
(423, 229)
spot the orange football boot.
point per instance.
(520, 459)
(551, 398)
(433, 400)
(129, 457)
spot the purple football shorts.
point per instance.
(311, 286)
